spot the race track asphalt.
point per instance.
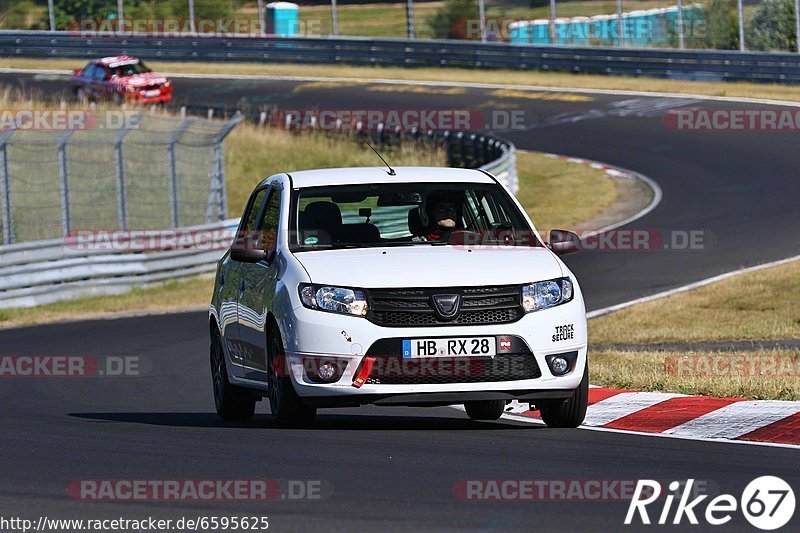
(395, 468)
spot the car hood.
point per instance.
(141, 80)
(429, 266)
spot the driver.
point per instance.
(443, 218)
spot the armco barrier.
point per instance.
(663, 63)
(40, 272)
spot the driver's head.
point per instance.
(445, 214)
(442, 212)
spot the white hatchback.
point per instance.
(422, 287)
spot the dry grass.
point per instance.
(694, 374)
(253, 153)
(752, 306)
(559, 194)
(171, 296)
(509, 77)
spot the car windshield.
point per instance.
(130, 69)
(358, 216)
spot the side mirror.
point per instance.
(248, 255)
(561, 241)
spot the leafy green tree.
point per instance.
(22, 15)
(451, 20)
(721, 25)
(773, 26)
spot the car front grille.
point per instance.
(414, 307)
(443, 370)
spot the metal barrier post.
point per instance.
(122, 208)
(740, 14)
(63, 172)
(219, 170)
(5, 188)
(173, 171)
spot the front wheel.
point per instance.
(568, 413)
(288, 409)
(485, 409)
(232, 403)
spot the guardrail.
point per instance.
(91, 263)
(663, 63)
(40, 272)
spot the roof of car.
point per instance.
(363, 175)
(118, 60)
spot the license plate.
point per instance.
(154, 92)
(457, 347)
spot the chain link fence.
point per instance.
(753, 25)
(114, 172)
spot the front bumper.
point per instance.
(138, 96)
(315, 335)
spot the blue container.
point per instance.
(529, 32)
(281, 19)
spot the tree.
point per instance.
(773, 26)
(721, 23)
(455, 20)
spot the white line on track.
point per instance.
(688, 287)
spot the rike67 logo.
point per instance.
(767, 502)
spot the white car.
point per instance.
(413, 286)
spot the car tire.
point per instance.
(288, 409)
(568, 413)
(81, 96)
(485, 409)
(232, 403)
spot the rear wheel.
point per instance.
(485, 409)
(232, 403)
(288, 409)
(568, 413)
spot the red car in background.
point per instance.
(120, 79)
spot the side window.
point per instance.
(100, 73)
(88, 71)
(251, 215)
(475, 218)
(270, 221)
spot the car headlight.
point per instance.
(334, 299)
(544, 294)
